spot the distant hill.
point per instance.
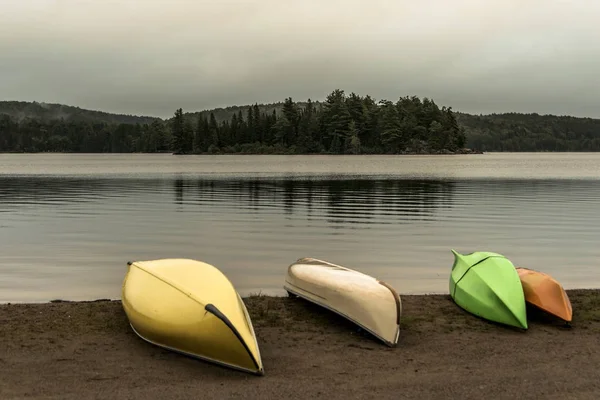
(225, 114)
(35, 126)
(20, 110)
(491, 132)
(530, 132)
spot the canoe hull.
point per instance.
(166, 306)
(369, 303)
(487, 285)
(544, 292)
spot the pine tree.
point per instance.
(292, 114)
(352, 144)
(258, 134)
(391, 133)
(213, 129)
(234, 129)
(336, 120)
(251, 130)
(188, 137)
(178, 132)
(198, 135)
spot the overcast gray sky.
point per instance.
(152, 56)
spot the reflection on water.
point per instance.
(336, 201)
(70, 237)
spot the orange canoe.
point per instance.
(546, 293)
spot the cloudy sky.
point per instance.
(152, 56)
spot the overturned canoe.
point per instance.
(544, 292)
(371, 304)
(190, 307)
(487, 285)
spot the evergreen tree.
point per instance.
(391, 134)
(188, 137)
(178, 132)
(234, 128)
(257, 124)
(308, 138)
(353, 141)
(213, 129)
(251, 129)
(292, 115)
(336, 120)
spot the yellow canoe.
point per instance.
(544, 292)
(190, 307)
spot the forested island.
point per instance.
(341, 124)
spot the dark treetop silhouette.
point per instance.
(342, 124)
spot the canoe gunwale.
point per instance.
(387, 342)
(259, 372)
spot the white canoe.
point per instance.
(371, 304)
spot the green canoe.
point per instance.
(487, 285)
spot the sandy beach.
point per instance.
(86, 350)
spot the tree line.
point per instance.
(516, 132)
(75, 136)
(341, 124)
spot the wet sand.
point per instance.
(86, 350)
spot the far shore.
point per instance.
(86, 350)
(270, 153)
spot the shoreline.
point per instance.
(272, 297)
(219, 153)
(86, 349)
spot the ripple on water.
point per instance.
(70, 237)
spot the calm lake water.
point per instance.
(69, 223)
